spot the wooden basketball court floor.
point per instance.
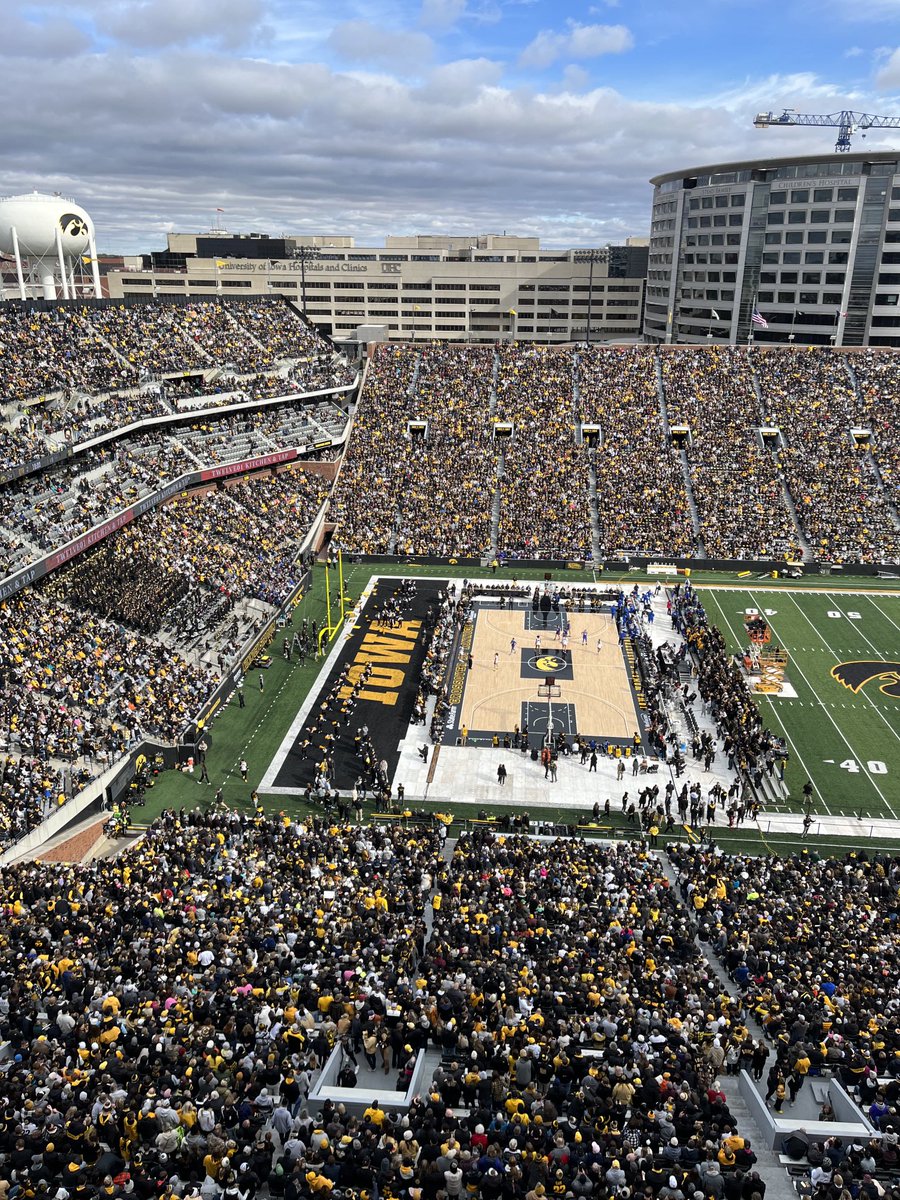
(598, 686)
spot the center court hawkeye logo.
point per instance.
(549, 662)
(856, 674)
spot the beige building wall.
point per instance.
(456, 289)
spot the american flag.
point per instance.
(758, 319)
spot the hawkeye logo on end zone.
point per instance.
(856, 674)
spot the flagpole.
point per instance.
(750, 329)
(791, 334)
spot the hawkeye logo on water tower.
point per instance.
(856, 674)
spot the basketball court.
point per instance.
(515, 656)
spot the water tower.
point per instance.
(48, 236)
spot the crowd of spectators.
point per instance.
(814, 948)
(642, 499)
(749, 747)
(879, 391)
(810, 396)
(166, 1006)
(167, 1010)
(41, 512)
(544, 485)
(741, 505)
(433, 493)
(86, 668)
(67, 376)
(426, 490)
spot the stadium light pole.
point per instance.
(303, 255)
(595, 255)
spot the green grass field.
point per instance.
(847, 744)
(826, 721)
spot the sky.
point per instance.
(416, 116)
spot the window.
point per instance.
(721, 201)
(887, 298)
(484, 287)
(843, 216)
(809, 298)
(425, 258)
(765, 297)
(822, 195)
(735, 219)
(770, 257)
(386, 287)
(773, 239)
(831, 297)
(236, 283)
(775, 218)
(835, 276)
(812, 277)
(814, 256)
(791, 256)
(797, 216)
(847, 193)
(449, 287)
(837, 257)
(816, 237)
(793, 237)
(819, 216)
(841, 236)
(767, 277)
(737, 200)
(706, 202)
(800, 196)
(778, 197)
(360, 258)
(785, 297)
(393, 258)
(788, 276)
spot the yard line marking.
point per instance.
(795, 663)
(864, 694)
(883, 613)
(774, 712)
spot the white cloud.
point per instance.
(361, 41)
(161, 23)
(441, 14)
(579, 41)
(889, 75)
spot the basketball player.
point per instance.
(565, 641)
(496, 659)
(599, 645)
(512, 645)
(537, 643)
(584, 638)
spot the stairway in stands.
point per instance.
(869, 457)
(685, 463)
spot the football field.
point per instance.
(843, 726)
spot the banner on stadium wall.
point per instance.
(33, 465)
(249, 464)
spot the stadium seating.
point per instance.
(68, 376)
(806, 488)
(174, 1036)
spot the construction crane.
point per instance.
(845, 122)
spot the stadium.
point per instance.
(462, 770)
